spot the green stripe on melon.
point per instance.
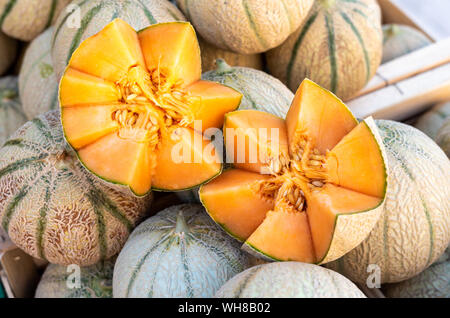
(94, 281)
(54, 209)
(11, 113)
(180, 252)
(339, 46)
(414, 228)
(96, 14)
(25, 19)
(38, 87)
(289, 280)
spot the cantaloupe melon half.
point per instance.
(313, 202)
(133, 105)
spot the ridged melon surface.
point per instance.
(96, 14)
(443, 137)
(95, 281)
(38, 87)
(414, 229)
(25, 19)
(401, 39)
(8, 50)
(245, 26)
(52, 207)
(433, 119)
(180, 252)
(11, 113)
(339, 46)
(434, 282)
(289, 280)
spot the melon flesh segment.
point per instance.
(185, 162)
(211, 101)
(357, 163)
(110, 53)
(324, 206)
(79, 88)
(86, 124)
(232, 202)
(319, 115)
(284, 235)
(172, 46)
(251, 136)
(119, 160)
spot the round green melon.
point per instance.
(289, 280)
(96, 14)
(11, 113)
(443, 137)
(338, 46)
(434, 282)
(433, 119)
(180, 252)
(401, 39)
(52, 207)
(38, 87)
(8, 51)
(260, 91)
(414, 229)
(26, 19)
(61, 281)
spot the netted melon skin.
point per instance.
(94, 281)
(52, 207)
(414, 230)
(159, 261)
(289, 280)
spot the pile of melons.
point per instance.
(104, 103)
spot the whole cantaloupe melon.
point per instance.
(38, 87)
(52, 207)
(71, 282)
(289, 280)
(180, 252)
(414, 230)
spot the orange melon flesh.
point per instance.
(244, 210)
(211, 101)
(119, 160)
(110, 53)
(173, 46)
(78, 88)
(284, 235)
(325, 204)
(246, 145)
(185, 163)
(357, 163)
(319, 115)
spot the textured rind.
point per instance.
(289, 280)
(400, 39)
(351, 229)
(8, 50)
(443, 137)
(11, 114)
(246, 26)
(414, 229)
(96, 14)
(309, 54)
(210, 54)
(38, 87)
(27, 19)
(193, 262)
(52, 207)
(95, 281)
(434, 282)
(433, 119)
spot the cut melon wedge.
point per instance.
(326, 197)
(124, 93)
